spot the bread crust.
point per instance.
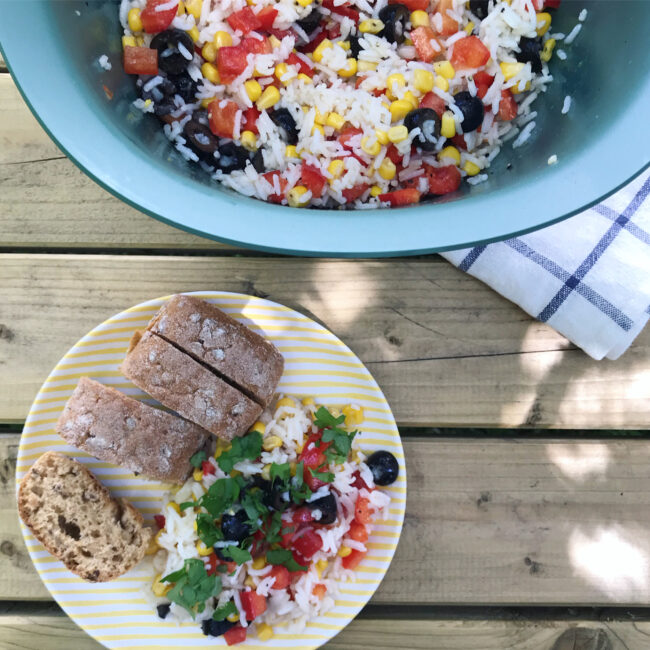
(118, 429)
(74, 517)
(233, 350)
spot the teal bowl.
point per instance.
(52, 47)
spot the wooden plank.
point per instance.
(47, 201)
(509, 522)
(446, 349)
(55, 631)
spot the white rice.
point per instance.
(104, 62)
(566, 105)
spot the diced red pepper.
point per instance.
(313, 456)
(157, 21)
(207, 467)
(449, 25)
(253, 604)
(140, 60)
(358, 482)
(412, 5)
(352, 561)
(307, 542)
(334, 31)
(353, 193)
(345, 9)
(538, 5)
(282, 577)
(222, 119)
(235, 635)
(249, 120)
(363, 510)
(507, 106)
(316, 40)
(483, 81)
(269, 176)
(312, 179)
(256, 45)
(231, 62)
(160, 521)
(459, 141)
(267, 17)
(319, 590)
(422, 37)
(443, 180)
(302, 515)
(469, 52)
(302, 65)
(552, 4)
(393, 155)
(400, 197)
(358, 532)
(245, 20)
(431, 100)
(212, 564)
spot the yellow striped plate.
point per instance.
(317, 364)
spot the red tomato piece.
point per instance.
(160, 521)
(459, 141)
(538, 5)
(507, 106)
(345, 9)
(302, 516)
(469, 52)
(212, 564)
(157, 21)
(412, 5)
(282, 577)
(307, 542)
(358, 532)
(358, 482)
(443, 180)
(270, 176)
(483, 81)
(267, 17)
(253, 604)
(256, 45)
(431, 100)
(140, 60)
(333, 31)
(231, 62)
(313, 454)
(222, 119)
(314, 181)
(235, 635)
(552, 4)
(397, 198)
(245, 20)
(363, 510)
(449, 25)
(249, 120)
(422, 37)
(207, 467)
(302, 65)
(352, 561)
(353, 193)
(319, 590)
(347, 133)
(314, 43)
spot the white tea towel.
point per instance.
(588, 276)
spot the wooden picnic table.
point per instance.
(526, 516)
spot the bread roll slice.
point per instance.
(75, 518)
(118, 429)
(185, 386)
(240, 356)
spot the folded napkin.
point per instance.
(588, 276)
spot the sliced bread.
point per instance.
(75, 518)
(118, 429)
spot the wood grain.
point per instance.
(55, 631)
(46, 201)
(517, 522)
(445, 348)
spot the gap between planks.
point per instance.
(495, 522)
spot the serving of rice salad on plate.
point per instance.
(342, 103)
(268, 527)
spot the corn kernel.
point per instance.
(193, 7)
(408, 41)
(375, 190)
(410, 97)
(203, 550)
(210, 72)
(181, 8)
(382, 136)
(543, 23)
(345, 45)
(253, 89)
(441, 82)
(295, 196)
(448, 125)
(249, 582)
(304, 3)
(469, 28)
(280, 70)
(195, 526)
(259, 562)
(157, 536)
(206, 102)
(209, 52)
(160, 589)
(233, 618)
(319, 118)
(260, 427)
(451, 153)
(139, 41)
(322, 564)
(353, 415)
(372, 148)
(419, 18)
(285, 401)
(222, 39)
(174, 506)
(322, 46)
(248, 141)
(335, 168)
(387, 171)
(444, 69)
(547, 50)
(354, 456)
(319, 128)
(194, 33)
(290, 151)
(520, 87)
(153, 547)
(266, 472)
(134, 20)
(335, 120)
(509, 70)
(350, 69)
(197, 475)
(371, 26)
(264, 631)
(366, 66)
(423, 80)
(275, 42)
(304, 77)
(128, 41)
(398, 133)
(271, 442)
(309, 401)
(393, 81)
(399, 109)
(471, 168)
(270, 97)
(344, 551)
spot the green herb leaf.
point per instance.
(251, 501)
(221, 495)
(222, 613)
(323, 419)
(187, 504)
(193, 586)
(272, 532)
(239, 555)
(285, 558)
(299, 490)
(248, 447)
(198, 458)
(333, 432)
(326, 477)
(207, 530)
(281, 472)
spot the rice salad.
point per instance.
(267, 528)
(341, 103)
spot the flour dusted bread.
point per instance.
(76, 519)
(179, 382)
(241, 356)
(118, 429)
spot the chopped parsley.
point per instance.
(221, 495)
(207, 530)
(192, 586)
(299, 490)
(333, 432)
(248, 447)
(198, 458)
(326, 477)
(239, 555)
(281, 472)
(285, 558)
(224, 612)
